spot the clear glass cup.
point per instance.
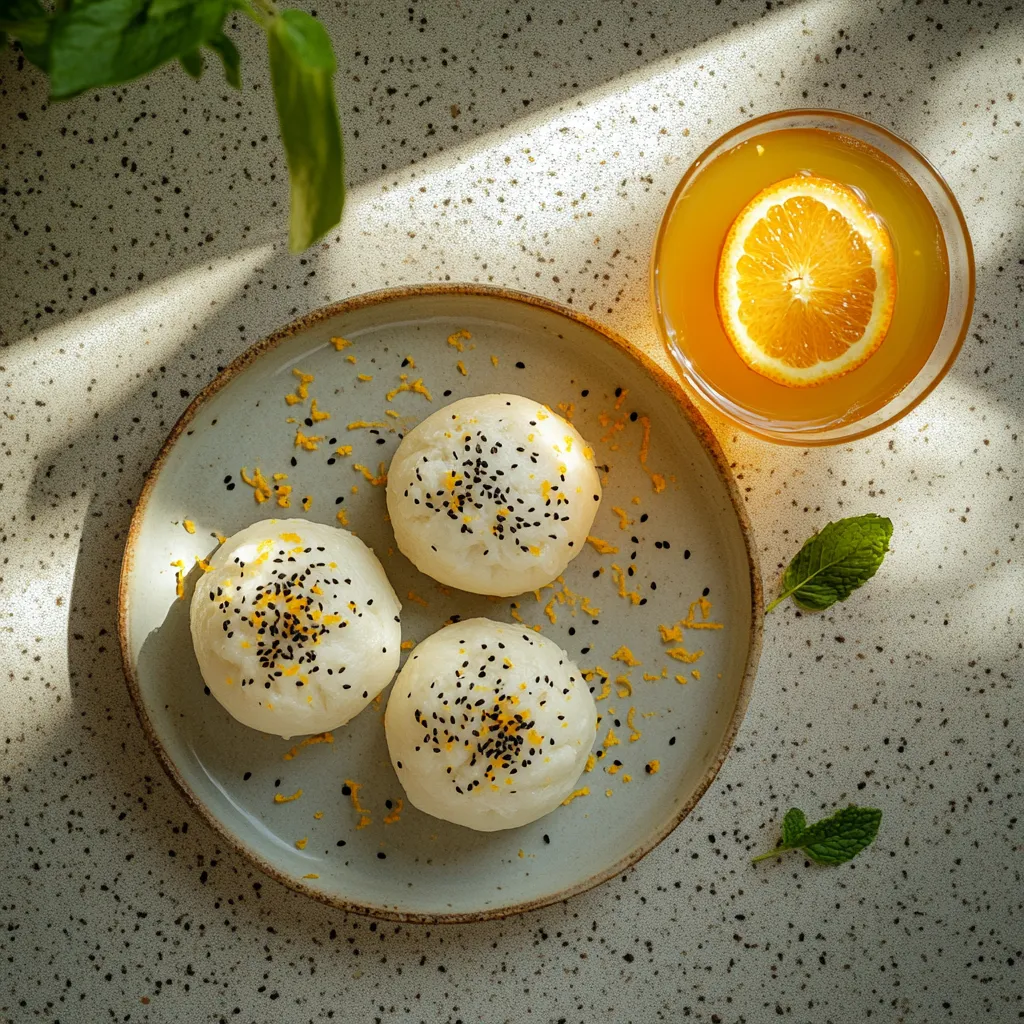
(945, 346)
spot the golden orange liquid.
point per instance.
(687, 264)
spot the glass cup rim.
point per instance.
(827, 436)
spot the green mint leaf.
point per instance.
(835, 840)
(835, 562)
(228, 53)
(106, 42)
(192, 62)
(302, 71)
(793, 825)
(28, 22)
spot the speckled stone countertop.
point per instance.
(533, 146)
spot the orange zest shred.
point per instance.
(625, 655)
(456, 340)
(317, 415)
(690, 622)
(309, 444)
(280, 798)
(363, 812)
(300, 844)
(342, 516)
(682, 654)
(461, 366)
(309, 741)
(635, 733)
(340, 344)
(585, 791)
(365, 424)
(392, 816)
(415, 386)
(259, 484)
(301, 389)
(379, 480)
(190, 527)
(179, 578)
(633, 596)
(602, 546)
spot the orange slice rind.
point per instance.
(806, 281)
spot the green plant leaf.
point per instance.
(228, 53)
(302, 69)
(832, 840)
(28, 22)
(106, 42)
(792, 825)
(835, 562)
(192, 62)
(835, 840)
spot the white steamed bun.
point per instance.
(295, 626)
(489, 725)
(494, 495)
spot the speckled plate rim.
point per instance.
(660, 379)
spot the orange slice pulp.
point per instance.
(806, 281)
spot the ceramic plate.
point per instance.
(683, 554)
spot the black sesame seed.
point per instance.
(381, 855)
(247, 776)
(520, 366)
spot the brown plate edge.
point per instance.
(661, 379)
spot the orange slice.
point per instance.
(806, 281)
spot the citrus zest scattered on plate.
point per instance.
(806, 281)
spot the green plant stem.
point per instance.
(777, 601)
(771, 853)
